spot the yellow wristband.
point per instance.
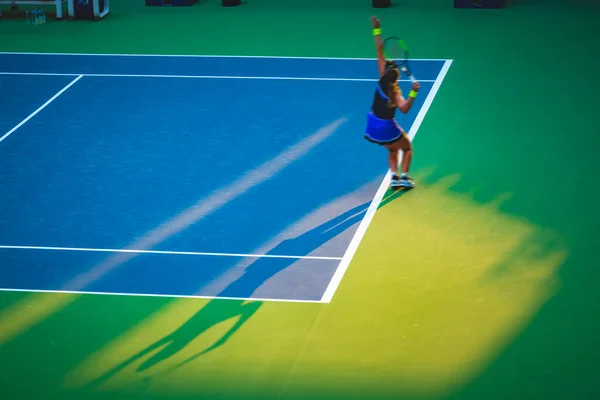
(376, 31)
(412, 94)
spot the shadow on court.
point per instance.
(391, 195)
(218, 310)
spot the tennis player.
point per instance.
(382, 127)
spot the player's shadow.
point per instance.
(218, 310)
(256, 274)
(391, 195)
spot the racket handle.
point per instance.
(410, 75)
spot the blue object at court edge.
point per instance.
(88, 9)
(170, 2)
(199, 192)
(479, 3)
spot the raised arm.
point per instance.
(378, 45)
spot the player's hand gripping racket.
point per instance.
(395, 49)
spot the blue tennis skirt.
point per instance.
(382, 131)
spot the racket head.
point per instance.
(395, 49)
(396, 54)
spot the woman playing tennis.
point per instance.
(382, 127)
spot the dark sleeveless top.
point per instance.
(380, 106)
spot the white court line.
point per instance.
(209, 56)
(362, 228)
(185, 253)
(158, 295)
(290, 78)
(41, 108)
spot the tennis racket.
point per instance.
(395, 49)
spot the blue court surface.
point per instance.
(232, 177)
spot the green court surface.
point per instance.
(482, 283)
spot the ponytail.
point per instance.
(392, 91)
(390, 85)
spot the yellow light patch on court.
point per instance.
(440, 285)
(28, 312)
